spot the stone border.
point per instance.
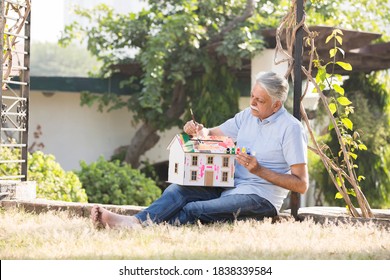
(340, 215)
(75, 208)
(343, 220)
(319, 214)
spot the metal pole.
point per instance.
(26, 93)
(1, 62)
(295, 198)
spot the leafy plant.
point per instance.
(117, 183)
(372, 119)
(10, 168)
(341, 167)
(52, 181)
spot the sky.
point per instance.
(47, 20)
(48, 16)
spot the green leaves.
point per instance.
(172, 43)
(335, 34)
(347, 123)
(343, 101)
(367, 15)
(344, 65)
(332, 52)
(340, 108)
(362, 147)
(338, 89)
(112, 182)
(332, 108)
(339, 39)
(53, 182)
(349, 191)
(338, 195)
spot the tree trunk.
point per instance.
(144, 139)
(146, 136)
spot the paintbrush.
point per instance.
(196, 126)
(192, 115)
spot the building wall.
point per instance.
(265, 62)
(73, 133)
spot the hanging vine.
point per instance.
(337, 106)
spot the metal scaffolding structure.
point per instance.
(15, 89)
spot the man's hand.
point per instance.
(297, 181)
(249, 162)
(194, 129)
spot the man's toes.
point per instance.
(96, 217)
(94, 213)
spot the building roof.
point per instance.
(209, 144)
(78, 84)
(99, 85)
(361, 49)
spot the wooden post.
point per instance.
(295, 197)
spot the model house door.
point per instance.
(209, 178)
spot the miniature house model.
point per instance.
(201, 162)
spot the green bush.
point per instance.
(112, 182)
(52, 181)
(9, 168)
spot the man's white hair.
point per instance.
(274, 84)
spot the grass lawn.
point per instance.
(60, 236)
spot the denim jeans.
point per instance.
(182, 205)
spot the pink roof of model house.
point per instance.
(209, 144)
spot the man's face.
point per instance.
(261, 103)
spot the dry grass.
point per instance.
(57, 235)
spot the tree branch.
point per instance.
(248, 12)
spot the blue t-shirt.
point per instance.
(278, 141)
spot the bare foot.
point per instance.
(103, 218)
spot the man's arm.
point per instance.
(297, 181)
(192, 127)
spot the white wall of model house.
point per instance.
(199, 168)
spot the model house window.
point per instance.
(194, 175)
(195, 160)
(225, 162)
(176, 168)
(225, 176)
(210, 160)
